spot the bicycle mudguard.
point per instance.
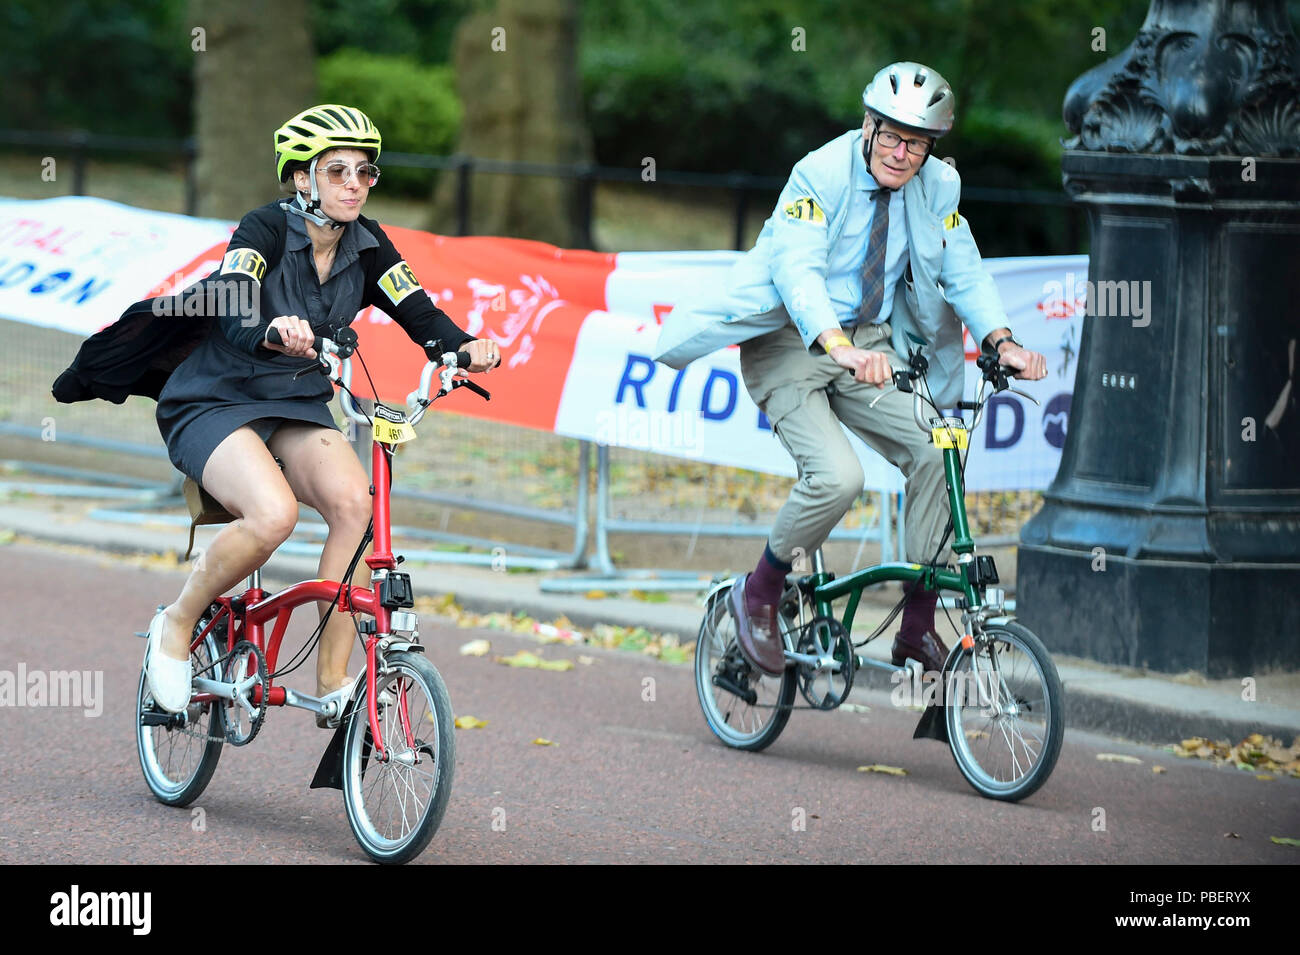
(329, 774)
(932, 725)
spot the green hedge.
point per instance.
(415, 107)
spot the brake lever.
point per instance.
(881, 395)
(1017, 391)
(472, 386)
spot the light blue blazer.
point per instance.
(783, 277)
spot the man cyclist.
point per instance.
(865, 246)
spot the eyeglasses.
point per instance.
(917, 147)
(340, 173)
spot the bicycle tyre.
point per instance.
(717, 655)
(1028, 681)
(373, 791)
(175, 772)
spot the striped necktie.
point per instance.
(873, 267)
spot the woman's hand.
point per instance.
(296, 334)
(484, 354)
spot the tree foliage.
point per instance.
(415, 106)
(109, 66)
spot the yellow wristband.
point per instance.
(835, 341)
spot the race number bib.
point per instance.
(244, 262)
(398, 282)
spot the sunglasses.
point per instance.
(340, 173)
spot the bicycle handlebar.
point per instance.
(335, 359)
(992, 371)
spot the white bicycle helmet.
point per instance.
(912, 95)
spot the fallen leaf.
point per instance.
(553, 634)
(558, 665)
(1158, 769)
(586, 660)
(469, 723)
(475, 648)
(878, 768)
(7, 536)
(1265, 777)
(676, 654)
(541, 741)
(595, 595)
(649, 596)
(855, 708)
(1118, 758)
(523, 658)
(976, 734)
(1231, 835)
(1284, 841)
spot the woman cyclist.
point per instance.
(239, 402)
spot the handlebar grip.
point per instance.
(273, 336)
(463, 359)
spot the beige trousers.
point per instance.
(790, 383)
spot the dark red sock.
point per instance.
(918, 614)
(763, 590)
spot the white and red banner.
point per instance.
(576, 330)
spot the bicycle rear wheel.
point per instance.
(1005, 713)
(745, 707)
(394, 807)
(179, 751)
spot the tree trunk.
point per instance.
(254, 68)
(517, 75)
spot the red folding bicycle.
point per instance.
(394, 752)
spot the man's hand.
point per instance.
(871, 367)
(1029, 365)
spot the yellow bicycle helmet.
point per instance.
(315, 130)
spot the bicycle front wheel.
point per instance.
(1005, 713)
(745, 707)
(395, 806)
(179, 751)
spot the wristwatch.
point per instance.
(993, 348)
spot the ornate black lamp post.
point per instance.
(1170, 537)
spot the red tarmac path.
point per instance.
(628, 781)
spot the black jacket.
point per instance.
(137, 354)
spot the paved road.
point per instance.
(628, 781)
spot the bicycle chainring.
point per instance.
(826, 684)
(242, 717)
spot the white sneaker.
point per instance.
(168, 679)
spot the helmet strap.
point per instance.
(310, 209)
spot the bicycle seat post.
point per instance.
(255, 579)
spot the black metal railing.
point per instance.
(742, 186)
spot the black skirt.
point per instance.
(219, 389)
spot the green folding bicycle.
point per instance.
(998, 702)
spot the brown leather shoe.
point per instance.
(931, 653)
(759, 640)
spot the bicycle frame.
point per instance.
(250, 612)
(827, 588)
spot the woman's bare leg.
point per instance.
(243, 476)
(324, 472)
